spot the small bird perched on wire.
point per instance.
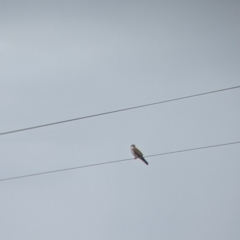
(137, 154)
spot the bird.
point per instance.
(137, 154)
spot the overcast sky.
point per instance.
(66, 59)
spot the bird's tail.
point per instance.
(143, 159)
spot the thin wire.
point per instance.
(116, 161)
(116, 111)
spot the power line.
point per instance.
(116, 111)
(116, 161)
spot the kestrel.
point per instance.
(137, 154)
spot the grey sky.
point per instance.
(67, 59)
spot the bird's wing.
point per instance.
(137, 152)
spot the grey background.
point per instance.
(67, 59)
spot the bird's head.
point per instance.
(132, 146)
